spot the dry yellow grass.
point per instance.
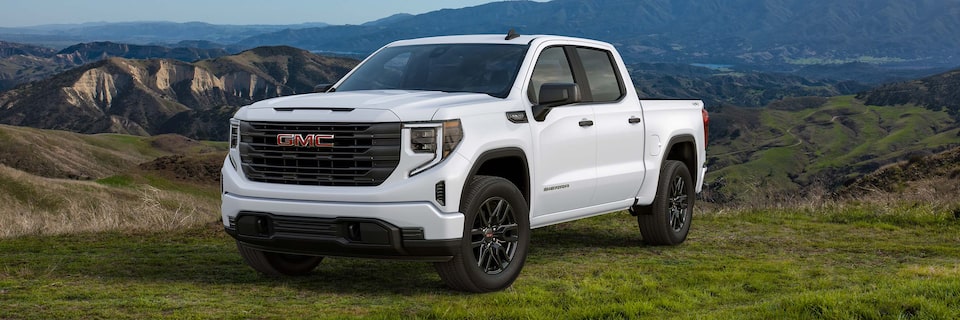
(35, 205)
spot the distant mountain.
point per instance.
(9, 49)
(939, 92)
(94, 51)
(26, 63)
(725, 87)
(775, 32)
(141, 32)
(148, 97)
(388, 20)
(871, 41)
(204, 44)
(865, 72)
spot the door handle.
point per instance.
(634, 120)
(586, 123)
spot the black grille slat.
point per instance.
(266, 168)
(295, 225)
(362, 154)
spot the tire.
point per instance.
(278, 264)
(496, 236)
(667, 220)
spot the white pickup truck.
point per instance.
(450, 150)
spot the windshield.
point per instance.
(480, 68)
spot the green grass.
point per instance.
(120, 180)
(122, 142)
(845, 261)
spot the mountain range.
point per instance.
(151, 96)
(20, 63)
(151, 32)
(773, 35)
(155, 96)
(781, 34)
(719, 87)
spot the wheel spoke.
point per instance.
(500, 212)
(482, 255)
(491, 259)
(505, 212)
(678, 187)
(507, 228)
(477, 244)
(485, 215)
(499, 257)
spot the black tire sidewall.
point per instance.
(497, 187)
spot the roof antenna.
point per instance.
(511, 35)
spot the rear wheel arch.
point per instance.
(683, 148)
(680, 148)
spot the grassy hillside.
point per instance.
(936, 92)
(62, 154)
(54, 182)
(782, 152)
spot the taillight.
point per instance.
(706, 125)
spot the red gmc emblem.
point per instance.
(299, 140)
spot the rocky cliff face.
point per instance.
(147, 97)
(21, 63)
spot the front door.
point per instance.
(566, 154)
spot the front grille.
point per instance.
(362, 154)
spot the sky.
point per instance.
(19, 13)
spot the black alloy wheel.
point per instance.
(496, 234)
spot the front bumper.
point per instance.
(378, 230)
(351, 237)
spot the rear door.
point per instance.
(619, 124)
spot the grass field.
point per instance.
(863, 261)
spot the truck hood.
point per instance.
(407, 105)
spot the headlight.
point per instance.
(234, 133)
(438, 138)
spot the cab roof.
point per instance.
(480, 38)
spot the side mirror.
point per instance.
(555, 95)
(323, 88)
